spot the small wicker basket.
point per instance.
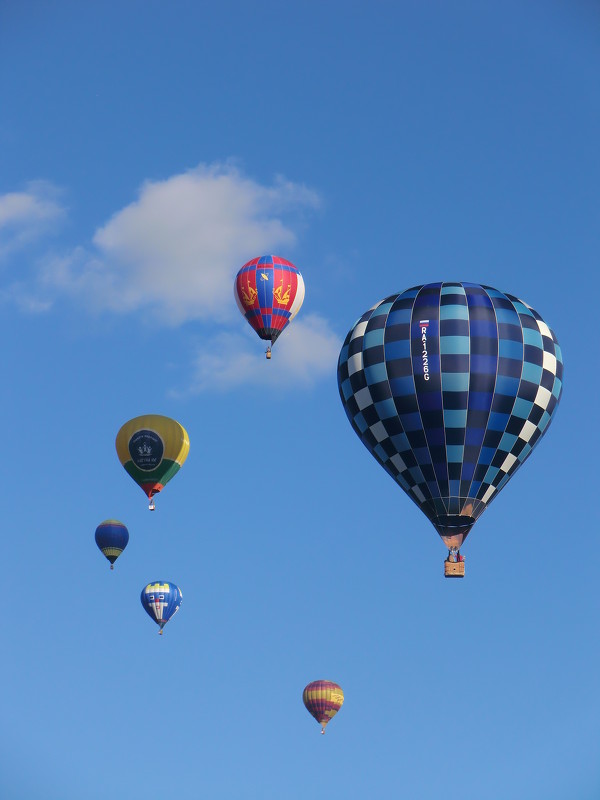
(454, 569)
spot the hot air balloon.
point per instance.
(152, 449)
(269, 292)
(161, 600)
(450, 386)
(112, 537)
(323, 699)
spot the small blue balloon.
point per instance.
(112, 538)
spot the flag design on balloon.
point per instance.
(112, 538)
(269, 292)
(323, 699)
(152, 449)
(450, 386)
(161, 601)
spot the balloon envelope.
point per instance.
(112, 538)
(152, 448)
(450, 386)
(269, 292)
(323, 699)
(161, 600)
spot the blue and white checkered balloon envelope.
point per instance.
(450, 386)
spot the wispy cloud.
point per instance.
(176, 248)
(303, 355)
(26, 216)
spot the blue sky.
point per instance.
(147, 150)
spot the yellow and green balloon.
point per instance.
(152, 448)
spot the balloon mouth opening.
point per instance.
(151, 489)
(453, 528)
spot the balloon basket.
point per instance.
(268, 353)
(454, 569)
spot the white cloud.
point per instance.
(178, 246)
(305, 352)
(26, 216)
(173, 253)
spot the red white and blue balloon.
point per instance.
(269, 292)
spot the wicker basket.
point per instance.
(454, 569)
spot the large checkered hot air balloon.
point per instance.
(269, 292)
(152, 449)
(323, 699)
(450, 386)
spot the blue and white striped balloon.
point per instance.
(161, 601)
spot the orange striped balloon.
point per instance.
(323, 699)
